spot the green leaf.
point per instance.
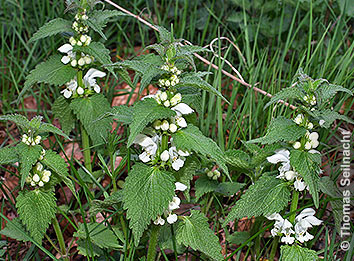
(186, 174)
(101, 205)
(308, 166)
(297, 253)
(197, 82)
(28, 156)
(327, 91)
(238, 237)
(89, 111)
(20, 120)
(145, 112)
(55, 26)
(238, 159)
(99, 18)
(99, 234)
(57, 164)
(267, 196)
(47, 127)
(52, 71)
(8, 155)
(123, 113)
(99, 51)
(86, 248)
(165, 35)
(16, 230)
(192, 139)
(328, 186)
(329, 116)
(61, 110)
(146, 194)
(204, 185)
(287, 93)
(36, 209)
(281, 129)
(229, 188)
(35, 122)
(194, 232)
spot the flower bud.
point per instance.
(88, 40)
(165, 125)
(157, 124)
(167, 83)
(310, 125)
(39, 166)
(308, 145)
(81, 62)
(166, 103)
(45, 178)
(313, 136)
(73, 63)
(83, 38)
(173, 128)
(72, 41)
(36, 178)
(87, 59)
(210, 174)
(165, 156)
(79, 43)
(297, 145)
(41, 184)
(163, 96)
(290, 175)
(80, 91)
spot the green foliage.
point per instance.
(194, 232)
(146, 194)
(267, 196)
(287, 93)
(186, 174)
(307, 165)
(36, 209)
(329, 116)
(8, 155)
(229, 188)
(99, 18)
(192, 139)
(145, 112)
(52, 71)
(28, 156)
(297, 253)
(205, 185)
(281, 129)
(89, 111)
(123, 114)
(111, 201)
(16, 230)
(238, 159)
(47, 127)
(20, 120)
(55, 26)
(61, 110)
(328, 91)
(57, 164)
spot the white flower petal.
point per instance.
(65, 48)
(182, 108)
(280, 156)
(172, 218)
(180, 186)
(65, 59)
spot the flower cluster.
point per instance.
(300, 120)
(174, 204)
(285, 170)
(310, 141)
(39, 176)
(215, 174)
(310, 99)
(89, 85)
(303, 221)
(30, 140)
(82, 40)
(72, 57)
(171, 77)
(79, 25)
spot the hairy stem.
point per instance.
(60, 238)
(153, 242)
(115, 189)
(293, 206)
(164, 142)
(86, 148)
(274, 248)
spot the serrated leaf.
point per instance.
(123, 113)
(99, 51)
(329, 116)
(165, 35)
(20, 120)
(55, 26)
(36, 208)
(183, 50)
(61, 110)
(47, 127)
(238, 159)
(8, 155)
(35, 122)
(100, 205)
(267, 196)
(229, 188)
(261, 156)
(287, 93)
(99, 18)
(57, 164)
(146, 194)
(89, 111)
(238, 237)
(186, 174)
(194, 232)
(337, 209)
(192, 139)
(145, 112)
(86, 248)
(327, 186)
(297, 253)
(281, 129)
(327, 91)
(308, 166)
(28, 156)
(52, 71)
(196, 82)
(16, 230)
(204, 185)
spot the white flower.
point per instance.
(297, 145)
(301, 234)
(33, 183)
(90, 79)
(87, 59)
(67, 48)
(176, 99)
(290, 175)
(165, 155)
(176, 158)
(182, 108)
(159, 221)
(181, 122)
(180, 186)
(165, 125)
(174, 204)
(172, 218)
(299, 184)
(70, 88)
(157, 125)
(288, 239)
(45, 178)
(322, 122)
(310, 126)
(314, 139)
(36, 178)
(307, 219)
(72, 41)
(282, 156)
(81, 61)
(83, 38)
(149, 146)
(41, 184)
(299, 118)
(39, 166)
(167, 83)
(163, 96)
(166, 103)
(47, 173)
(307, 145)
(37, 140)
(173, 128)
(80, 91)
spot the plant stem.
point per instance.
(164, 142)
(274, 248)
(153, 242)
(86, 148)
(60, 238)
(112, 170)
(293, 206)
